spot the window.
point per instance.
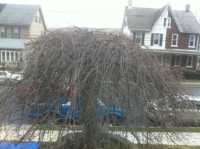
(169, 22)
(165, 22)
(174, 41)
(15, 32)
(2, 32)
(139, 38)
(192, 41)
(156, 39)
(9, 32)
(37, 17)
(189, 61)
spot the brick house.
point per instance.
(172, 34)
(19, 24)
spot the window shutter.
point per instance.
(161, 39)
(152, 39)
(143, 37)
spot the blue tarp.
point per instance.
(7, 145)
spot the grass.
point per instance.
(46, 146)
(124, 128)
(156, 129)
(165, 147)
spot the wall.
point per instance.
(37, 29)
(158, 27)
(182, 38)
(25, 32)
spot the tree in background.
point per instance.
(101, 66)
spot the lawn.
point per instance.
(124, 128)
(156, 129)
(165, 147)
(46, 146)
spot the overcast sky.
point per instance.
(97, 13)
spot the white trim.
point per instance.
(190, 40)
(172, 39)
(157, 35)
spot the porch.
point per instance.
(11, 53)
(181, 60)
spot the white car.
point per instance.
(16, 76)
(4, 75)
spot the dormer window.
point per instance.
(165, 22)
(192, 41)
(169, 22)
(37, 17)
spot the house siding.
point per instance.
(12, 58)
(37, 29)
(183, 38)
(158, 28)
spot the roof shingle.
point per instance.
(12, 14)
(186, 22)
(143, 19)
(12, 43)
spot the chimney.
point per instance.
(187, 8)
(130, 3)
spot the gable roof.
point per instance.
(143, 19)
(186, 22)
(14, 14)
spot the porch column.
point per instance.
(14, 58)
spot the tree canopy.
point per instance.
(99, 66)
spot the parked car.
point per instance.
(16, 76)
(67, 111)
(4, 75)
